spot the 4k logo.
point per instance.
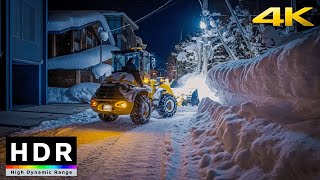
(289, 17)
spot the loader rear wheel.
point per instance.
(108, 117)
(141, 111)
(167, 106)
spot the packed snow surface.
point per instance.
(102, 70)
(287, 78)
(63, 20)
(83, 59)
(230, 142)
(80, 93)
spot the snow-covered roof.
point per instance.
(64, 20)
(83, 59)
(115, 13)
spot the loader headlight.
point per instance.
(121, 104)
(93, 103)
(146, 80)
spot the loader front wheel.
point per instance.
(141, 111)
(108, 117)
(167, 106)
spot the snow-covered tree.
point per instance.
(220, 43)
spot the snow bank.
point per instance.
(230, 142)
(83, 59)
(102, 70)
(80, 93)
(269, 124)
(284, 80)
(62, 20)
(84, 117)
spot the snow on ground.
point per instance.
(228, 142)
(122, 150)
(80, 93)
(87, 116)
(268, 125)
(83, 59)
(102, 70)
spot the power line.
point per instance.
(147, 16)
(150, 14)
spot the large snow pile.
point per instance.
(80, 93)
(229, 142)
(83, 59)
(268, 126)
(287, 77)
(102, 70)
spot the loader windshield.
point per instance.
(120, 61)
(143, 60)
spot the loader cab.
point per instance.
(144, 61)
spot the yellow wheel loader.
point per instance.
(133, 93)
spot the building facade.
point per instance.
(23, 53)
(122, 28)
(74, 46)
(68, 42)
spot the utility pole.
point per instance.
(205, 57)
(199, 53)
(205, 5)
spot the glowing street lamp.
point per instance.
(203, 25)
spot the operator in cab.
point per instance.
(132, 69)
(130, 66)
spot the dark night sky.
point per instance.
(162, 30)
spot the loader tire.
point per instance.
(167, 106)
(141, 111)
(108, 117)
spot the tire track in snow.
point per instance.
(135, 154)
(177, 145)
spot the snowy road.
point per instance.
(122, 150)
(138, 153)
